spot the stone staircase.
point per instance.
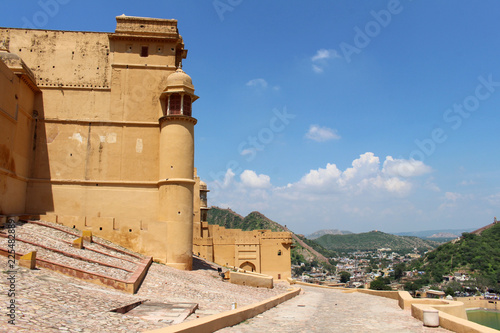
(98, 261)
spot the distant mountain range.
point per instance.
(443, 233)
(373, 240)
(327, 242)
(322, 232)
(439, 235)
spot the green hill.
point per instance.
(475, 253)
(231, 220)
(371, 241)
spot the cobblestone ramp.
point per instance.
(99, 262)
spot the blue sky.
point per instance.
(353, 115)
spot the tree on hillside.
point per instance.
(345, 277)
(380, 283)
(399, 271)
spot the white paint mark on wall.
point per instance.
(111, 138)
(138, 146)
(76, 136)
(102, 138)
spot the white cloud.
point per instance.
(494, 199)
(452, 196)
(321, 134)
(405, 168)
(317, 69)
(320, 59)
(467, 182)
(396, 185)
(227, 181)
(363, 196)
(323, 54)
(259, 83)
(251, 179)
(321, 176)
(366, 166)
(430, 185)
(365, 176)
(249, 151)
(454, 200)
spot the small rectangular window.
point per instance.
(144, 51)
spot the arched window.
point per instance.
(175, 104)
(186, 108)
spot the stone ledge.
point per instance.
(228, 318)
(74, 256)
(130, 286)
(251, 279)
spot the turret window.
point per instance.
(186, 107)
(175, 104)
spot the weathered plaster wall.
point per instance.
(62, 58)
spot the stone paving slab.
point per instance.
(173, 313)
(327, 310)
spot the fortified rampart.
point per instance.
(261, 251)
(97, 133)
(105, 137)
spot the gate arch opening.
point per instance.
(248, 266)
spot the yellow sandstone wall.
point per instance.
(277, 262)
(479, 302)
(96, 150)
(260, 251)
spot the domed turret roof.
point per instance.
(203, 186)
(178, 79)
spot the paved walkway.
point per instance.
(328, 310)
(46, 301)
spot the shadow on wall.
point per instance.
(39, 196)
(23, 143)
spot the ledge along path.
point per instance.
(329, 310)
